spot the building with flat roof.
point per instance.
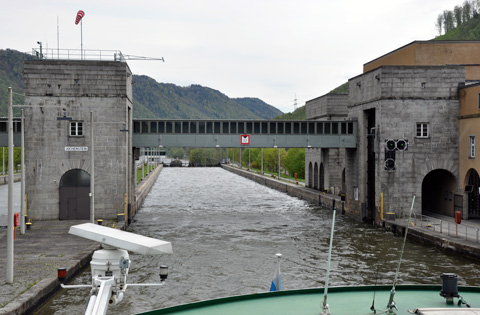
(60, 97)
(417, 109)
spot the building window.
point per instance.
(76, 128)
(471, 147)
(422, 130)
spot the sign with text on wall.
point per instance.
(76, 149)
(244, 139)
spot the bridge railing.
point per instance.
(443, 226)
(78, 54)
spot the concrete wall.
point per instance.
(327, 107)
(293, 190)
(400, 100)
(145, 186)
(430, 53)
(75, 88)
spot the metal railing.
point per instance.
(462, 231)
(77, 54)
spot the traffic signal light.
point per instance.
(392, 145)
(402, 144)
(389, 160)
(396, 144)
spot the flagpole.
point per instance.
(81, 38)
(58, 40)
(277, 277)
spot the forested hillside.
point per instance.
(11, 75)
(164, 100)
(452, 24)
(298, 114)
(151, 99)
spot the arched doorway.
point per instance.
(322, 177)
(473, 193)
(74, 195)
(310, 175)
(438, 193)
(315, 178)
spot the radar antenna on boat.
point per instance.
(325, 306)
(391, 304)
(109, 266)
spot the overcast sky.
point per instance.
(270, 49)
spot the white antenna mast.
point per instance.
(58, 39)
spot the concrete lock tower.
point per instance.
(62, 98)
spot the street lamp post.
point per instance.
(262, 162)
(92, 175)
(9, 265)
(279, 163)
(22, 193)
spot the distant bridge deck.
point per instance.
(17, 129)
(228, 133)
(260, 133)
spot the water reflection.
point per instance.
(225, 231)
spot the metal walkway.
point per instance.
(17, 125)
(244, 133)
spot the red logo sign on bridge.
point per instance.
(244, 139)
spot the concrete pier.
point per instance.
(289, 188)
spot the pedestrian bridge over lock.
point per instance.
(244, 133)
(229, 133)
(4, 132)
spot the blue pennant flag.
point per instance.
(277, 277)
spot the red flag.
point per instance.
(80, 15)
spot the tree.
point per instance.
(439, 24)
(448, 21)
(467, 11)
(270, 159)
(458, 14)
(177, 153)
(475, 5)
(295, 162)
(205, 157)
(16, 158)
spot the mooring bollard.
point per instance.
(121, 217)
(100, 222)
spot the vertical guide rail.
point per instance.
(391, 303)
(325, 307)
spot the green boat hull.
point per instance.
(342, 300)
